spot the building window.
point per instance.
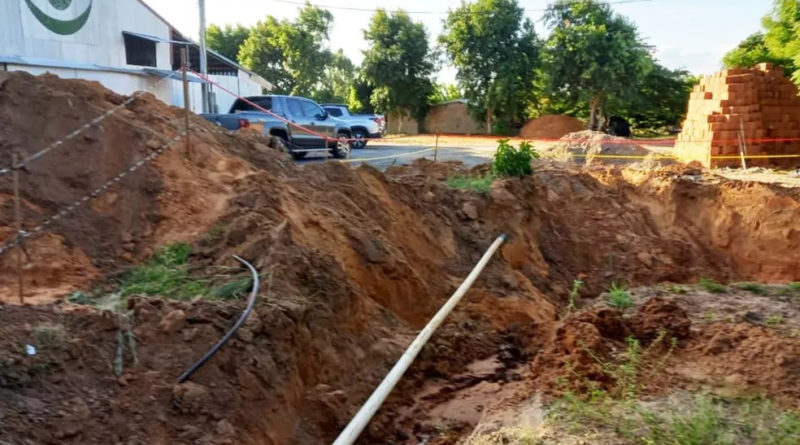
(139, 51)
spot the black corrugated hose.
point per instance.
(188, 373)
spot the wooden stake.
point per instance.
(18, 227)
(742, 145)
(186, 104)
(436, 149)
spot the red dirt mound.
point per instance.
(550, 126)
(148, 208)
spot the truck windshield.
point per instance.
(241, 105)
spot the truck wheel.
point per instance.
(342, 148)
(359, 139)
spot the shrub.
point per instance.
(510, 161)
(165, 274)
(619, 297)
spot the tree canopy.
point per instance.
(398, 64)
(592, 54)
(293, 55)
(227, 40)
(496, 51)
(778, 44)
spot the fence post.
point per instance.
(18, 228)
(186, 105)
(436, 149)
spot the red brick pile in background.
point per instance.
(763, 99)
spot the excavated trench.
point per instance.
(353, 263)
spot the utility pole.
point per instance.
(203, 55)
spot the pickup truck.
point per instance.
(364, 126)
(302, 112)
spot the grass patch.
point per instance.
(166, 275)
(683, 419)
(795, 286)
(751, 287)
(574, 293)
(711, 285)
(480, 184)
(619, 297)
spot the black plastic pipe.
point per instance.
(253, 293)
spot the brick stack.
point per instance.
(761, 98)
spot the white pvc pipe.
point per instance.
(364, 415)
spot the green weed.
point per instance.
(751, 287)
(619, 297)
(774, 320)
(233, 290)
(795, 286)
(675, 289)
(165, 275)
(480, 184)
(708, 317)
(710, 285)
(510, 161)
(573, 295)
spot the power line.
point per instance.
(351, 8)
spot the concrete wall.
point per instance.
(399, 123)
(452, 118)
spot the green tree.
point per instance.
(291, 55)
(496, 51)
(752, 51)
(443, 92)
(660, 100)
(337, 79)
(778, 44)
(227, 40)
(358, 100)
(398, 64)
(591, 55)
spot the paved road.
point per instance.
(383, 156)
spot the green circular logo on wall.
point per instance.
(60, 4)
(63, 26)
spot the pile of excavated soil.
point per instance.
(147, 209)
(550, 126)
(354, 261)
(590, 147)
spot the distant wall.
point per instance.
(452, 118)
(401, 123)
(445, 118)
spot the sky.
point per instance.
(688, 34)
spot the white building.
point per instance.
(123, 44)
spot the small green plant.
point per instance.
(795, 286)
(619, 297)
(510, 161)
(708, 317)
(480, 184)
(774, 320)
(233, 290)
(752, 287)
(573, 295)
(675, 289)
(710, 285)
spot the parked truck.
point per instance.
(313, 127)
(363, 126)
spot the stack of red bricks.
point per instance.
(760, 101)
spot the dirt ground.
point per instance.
(353, 262)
